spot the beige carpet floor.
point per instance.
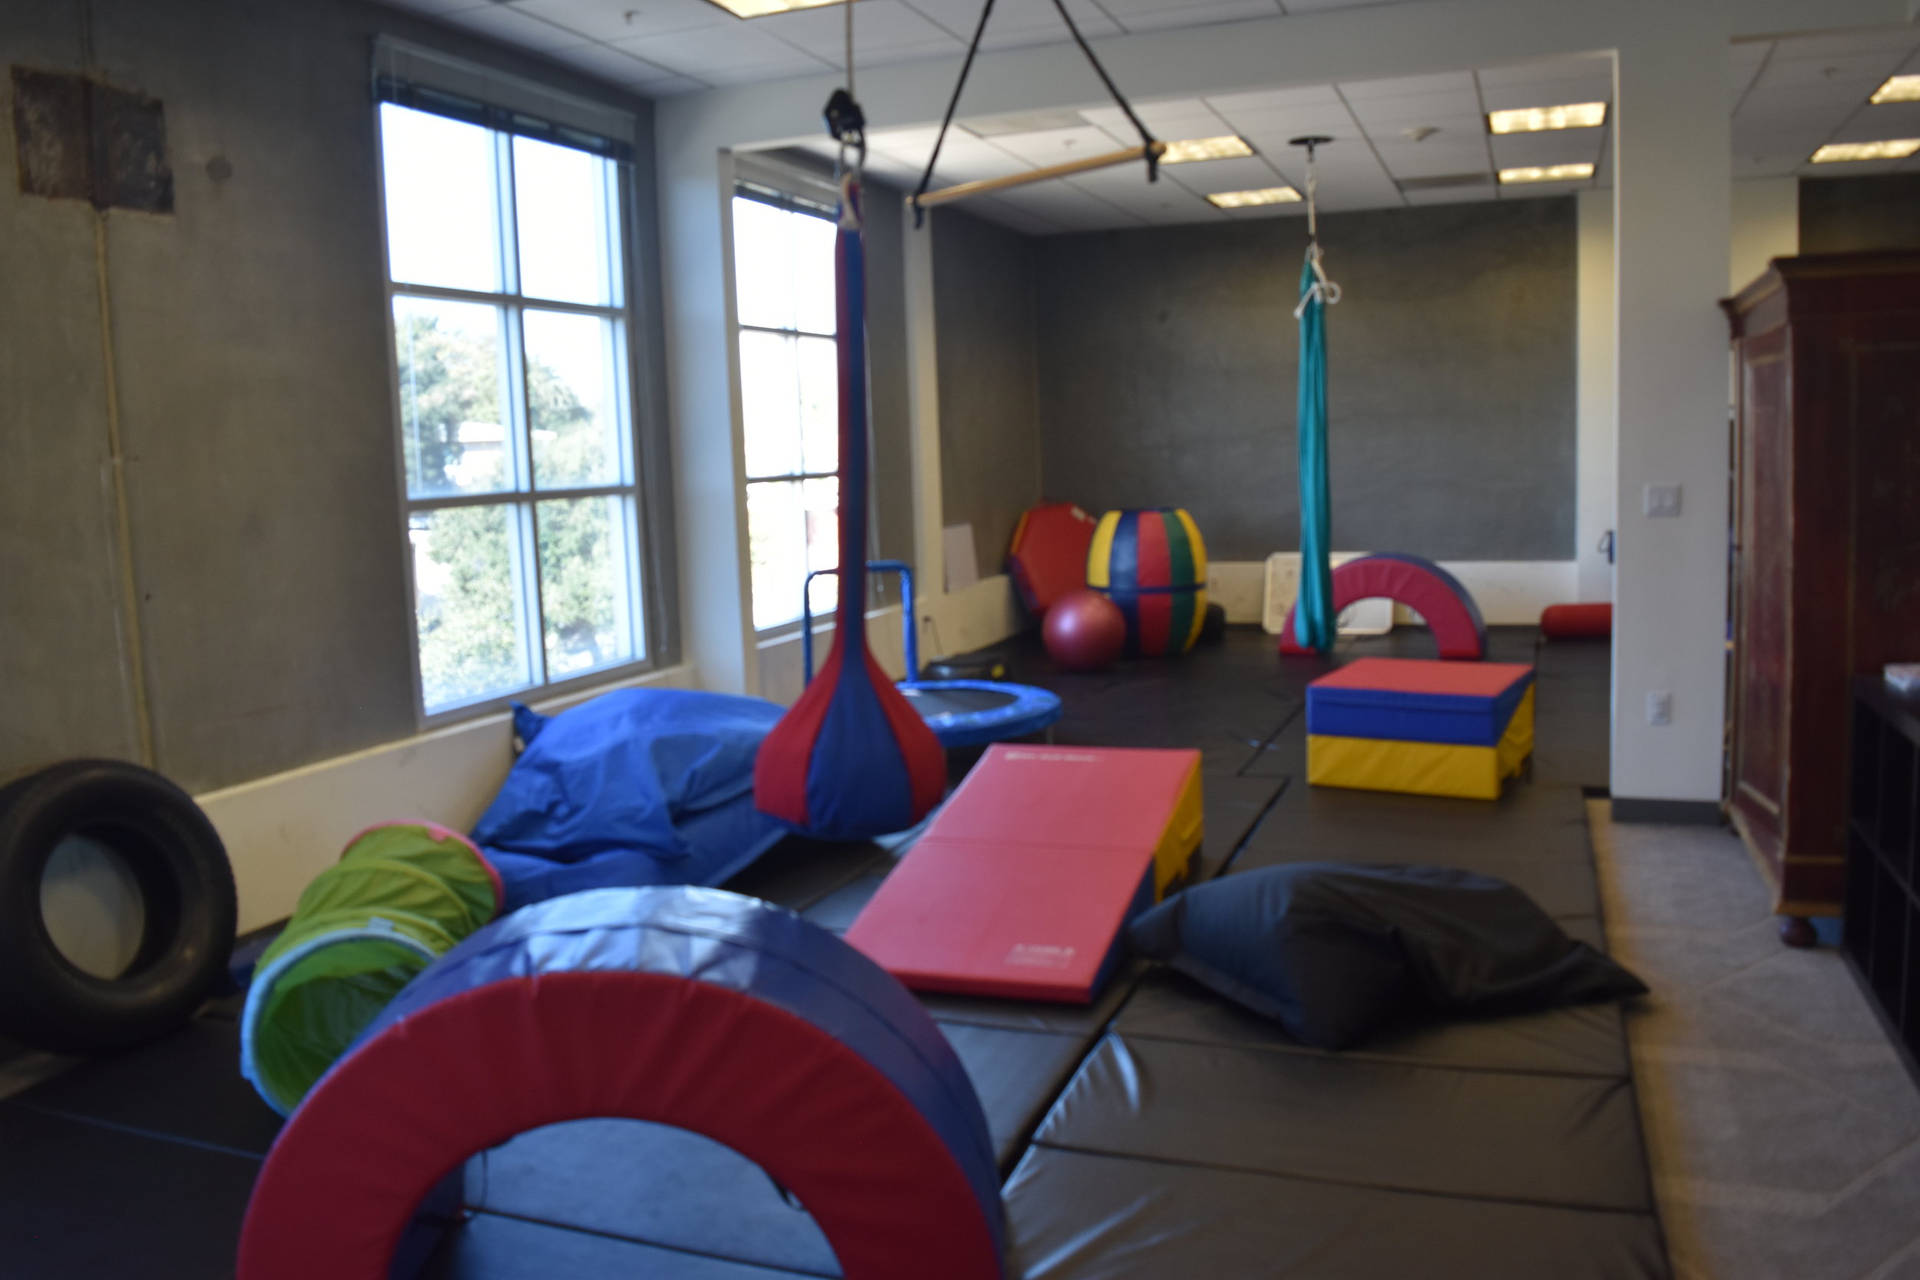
(1783, 1130)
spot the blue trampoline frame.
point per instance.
(1030, 711)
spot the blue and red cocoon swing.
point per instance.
(851, 759)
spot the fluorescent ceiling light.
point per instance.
(1262, 195)
(1548, 173)
(1888, 149)
(1898, 89)
(766, 8)
(1571, 115)
(1206, 149)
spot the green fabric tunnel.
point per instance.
(401, 896)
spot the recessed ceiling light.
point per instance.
(1898, 89)
(1206, 149)
(1548, 173)
(1571, 115)
(1887, 149)
(1261, 195)
(767, 8)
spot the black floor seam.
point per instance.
(1562, 1206)
(1259, 819)
(136, 1131)
(1361, 1055)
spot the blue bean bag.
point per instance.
(636, 787)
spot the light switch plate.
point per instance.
(1661, 500)
(1659, 707)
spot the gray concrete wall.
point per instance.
(984, 314)
(251, 373)
(68, 688)
(1842, 215)
(1168, 365)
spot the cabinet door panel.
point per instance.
(1766, 577)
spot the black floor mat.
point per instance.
(1565, 1141)
(1076, 1215)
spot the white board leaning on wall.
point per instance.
(1361, 618)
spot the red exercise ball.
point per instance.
(1084, 631)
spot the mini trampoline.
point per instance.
(961, 713)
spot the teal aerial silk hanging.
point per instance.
(1313, 617)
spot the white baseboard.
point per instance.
(282, 831)
(985, 613)
(1509, 592)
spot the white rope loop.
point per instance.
(1323, 286)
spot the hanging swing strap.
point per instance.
(1150, 148)
(1323, 287)
(847, 124)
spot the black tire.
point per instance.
(185, 883)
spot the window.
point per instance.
(789, 399)
(506, 263)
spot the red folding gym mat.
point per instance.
(1021, 884)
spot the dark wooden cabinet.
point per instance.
(1827, 543)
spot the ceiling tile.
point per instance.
(1427, 160)
(1129, 189)
(1568, 146)
(880, 28)
(1862, 73)
(1416, 108)
(1546, 70)
(1407, 86)
(1159, 17)
(1246, 173)
(1546, 93)
(1840, 44)
(1272, 130)
(510, 26)
(1181, 115)
(1766, 166)
(1447, 131)
(612, 64)
(1055, 146)
(626, 19)
(733, 54)
(1310, 95)
(1015, 20)
(1889, 120)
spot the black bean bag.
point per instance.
(1335, 951)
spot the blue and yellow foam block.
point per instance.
(1429, 728)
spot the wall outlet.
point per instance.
(1659, 707)
(1661, 500)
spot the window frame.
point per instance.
(798, 193)
(641, 553)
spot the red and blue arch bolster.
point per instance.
(695, 1008)
(851, 759)
(1441, 600)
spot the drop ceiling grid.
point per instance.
(1787, 96)
(885, 31)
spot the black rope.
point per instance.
(1147, 139)
(919, 214)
